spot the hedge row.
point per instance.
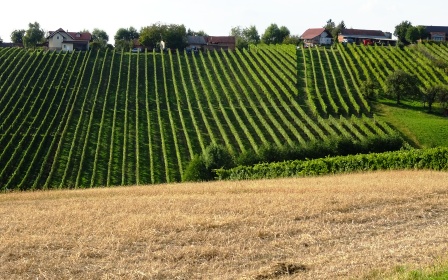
(434, 159)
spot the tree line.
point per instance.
(174, 36)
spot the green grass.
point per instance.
(421, 128)
(436, 272)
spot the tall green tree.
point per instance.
(423, 34)
(176, 36)
(336, 30)
(196, 33)
(245, 36)
(100, 39)
(412, 35)
(292, 39)
(17, 36)
(433, 93)
(401, 31)
(33, 36)
(251, 35)
(173, 35)
(274, 34)
(330, 26)
(124, 38)
(241, 41)
(401, 84)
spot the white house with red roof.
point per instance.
(61, 40)
(316, 36)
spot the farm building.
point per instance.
(316, 36)
(220, 42)
(68, 41)
(196, 42)
(437, 33)
(211, 42)
(366, 37)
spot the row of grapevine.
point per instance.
(87, 119)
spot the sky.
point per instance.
(218, 17)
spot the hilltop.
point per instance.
(106, 118)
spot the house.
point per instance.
(437, 33)
(316, 36)
(366, 37)
(195, 43)
(220, 42)
(68, 41)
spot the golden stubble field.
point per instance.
(333, 227)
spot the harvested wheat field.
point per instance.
(333, 227)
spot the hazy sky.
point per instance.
(218, 17)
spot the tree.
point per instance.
(251, 35)
(400, 84)
(173, 35)
(292, 39)
(33, 36)
(245, 36)
(196, 33)
(124, 38)
(100, 39)
(240, 41)
(128, 34)
(1, 40)
(412, 35)
(335, 32)
(401, 31)
(368, 88)
(442, 97)
(433, 93)
(275, 35)
(330, 26)
(176, 36)
(422, 33)
(17, 36)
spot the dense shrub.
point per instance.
(217, 156)
(435, 159)
(196, 170)
(248, 157)
(201, 167)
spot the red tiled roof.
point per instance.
(220, 39)
(311, 33)
(76, 36)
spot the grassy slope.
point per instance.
(334, 227)
(422, 129)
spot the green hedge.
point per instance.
(435, 159)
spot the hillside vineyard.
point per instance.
(104, 118)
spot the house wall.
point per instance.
(67, 47)
(438, 36)
(55, 42)
(325, 39)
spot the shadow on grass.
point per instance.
(413, 105)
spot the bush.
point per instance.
(201, 168)
(270, 153)
(248, 157)
(217, 156)
(434, 159)
(196, 171)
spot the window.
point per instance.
(438, 38)
(57, 37)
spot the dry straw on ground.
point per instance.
(333, 227)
